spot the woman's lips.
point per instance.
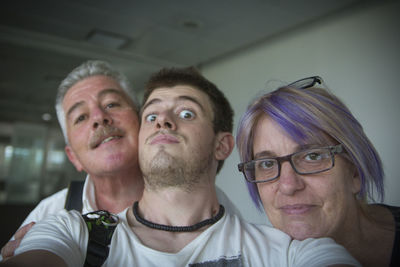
(297, 209)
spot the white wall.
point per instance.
(356, 53)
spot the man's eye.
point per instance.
(80, 119)
(151, 117)
(186, 114)
(111, 105)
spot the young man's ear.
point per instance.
(71, 156)
(224, 145)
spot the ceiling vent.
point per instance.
(107, 39)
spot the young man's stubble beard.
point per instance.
(165, 170)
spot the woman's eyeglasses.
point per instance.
(306, 82)
(308, 161)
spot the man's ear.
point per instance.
(71, 156)
(224, 145)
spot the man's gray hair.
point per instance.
(88, 69)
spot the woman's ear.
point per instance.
(224, 145)
(356, 181)
(71, 156)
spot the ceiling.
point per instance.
(42, 40)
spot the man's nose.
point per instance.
(101, 117)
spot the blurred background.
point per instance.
(243, 46)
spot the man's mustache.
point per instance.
(102, 133)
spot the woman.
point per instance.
(308, 162)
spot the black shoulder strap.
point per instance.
(101, 225)
(74, 196)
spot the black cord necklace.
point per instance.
(169, 228)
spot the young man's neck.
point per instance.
(173, 207)
(178, 207)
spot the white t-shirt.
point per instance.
(229, 242)
(56, 202)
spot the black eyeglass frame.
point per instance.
(333, 150)
(306, 82)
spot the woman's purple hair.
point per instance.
(313, 115)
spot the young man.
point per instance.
(97, 112)
(185, 135)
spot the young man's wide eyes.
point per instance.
(187, 114)
(151, 117)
